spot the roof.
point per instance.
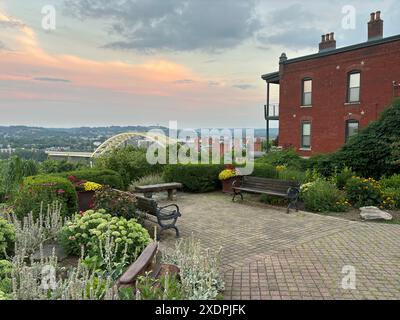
(271, 77)
(345, 49)
(274, 77)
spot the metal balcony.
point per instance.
(271, 112)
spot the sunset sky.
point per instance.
(131, 62)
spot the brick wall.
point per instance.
(379, 66)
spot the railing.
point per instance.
(272, 112)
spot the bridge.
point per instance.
(109, 145)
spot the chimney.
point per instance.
(375, 26)
(328, 42)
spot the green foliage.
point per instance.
(117, 203)
(391, 182)
(93, 228)
(147, 288)
(104, 177)
(6, 269)
(390, 199)
(323, 196)
(199, 269)
(147, 181)
(322, 164)
(13, 172)
(53, 166)
(130, 163)
(342, 177)
(363, 192)
(42, 190)
(195, 178)
(292, 175)
(7, 237)
(271, 200)
(288, 158)
(374, 151)
(264, 170)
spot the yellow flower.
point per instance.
(227, 174)
(92, 186)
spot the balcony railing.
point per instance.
(272, 112)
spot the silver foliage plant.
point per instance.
(30, 233)
(200, 269)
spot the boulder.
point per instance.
(374, 213)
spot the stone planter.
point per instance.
(227, 185)
(85, 200)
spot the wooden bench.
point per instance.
(279, 188)
(170, 187)
(146, 264)
(167, 216)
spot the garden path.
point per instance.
(267, 254)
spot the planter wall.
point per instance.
(85, 200)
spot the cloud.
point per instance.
(184, 81)
(293, 27)
(244, 86)
(48, 79)
(2, 46)
(174, 25)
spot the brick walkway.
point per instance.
(268, 254)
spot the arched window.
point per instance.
(306, 88)
(353, 86)
(352, 128)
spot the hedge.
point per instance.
(45, 189)
(102, 176)
(195, 178)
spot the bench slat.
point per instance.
(142, 264)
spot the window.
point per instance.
(354, 83)
(306, 99)
(352, 127)
(306, 135)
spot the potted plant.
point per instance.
(86, 191)
(228, 177)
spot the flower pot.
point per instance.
(86, 200)
(227, 185)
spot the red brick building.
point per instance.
(327, 97)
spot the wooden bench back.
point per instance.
(142, 265)
(268, 184)
(146, 205)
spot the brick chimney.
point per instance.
(328, 42)
(375, 26)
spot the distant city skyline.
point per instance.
(148, 62)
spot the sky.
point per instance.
(148, 62)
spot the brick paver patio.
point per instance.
(267, 254)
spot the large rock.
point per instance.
(374, 213)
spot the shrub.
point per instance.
(323, 196)
(54, 166)
(342, 177)
(200, 270)
(374, 152)
(6, 269)
(263, 170)
(93, 228)
(130, 162)
(292, 175)
(390, 199)
(104, 177)
(392, 182)
(42, 190)
(195, 178)
(363, 192)
(146, 181)
(7, 237)
(288, 158)
(116, 203)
